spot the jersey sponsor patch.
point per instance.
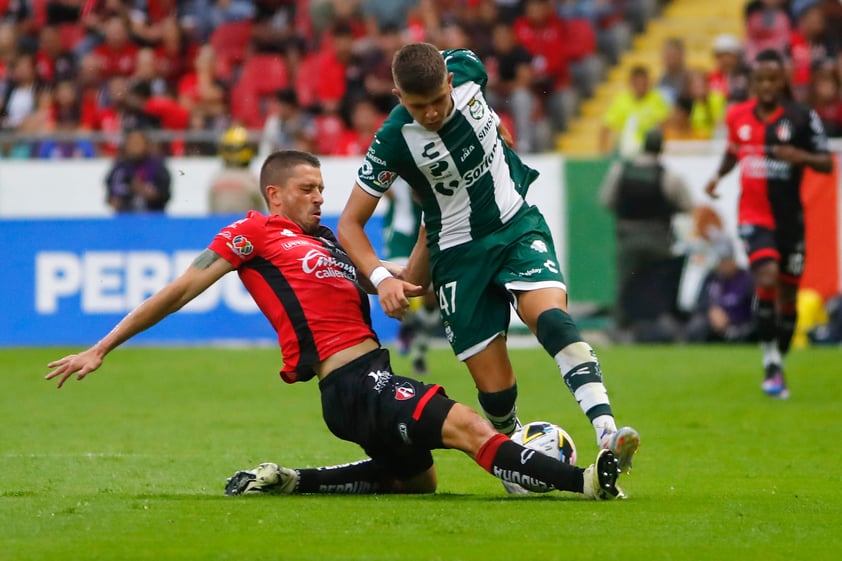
(380, 379)
(294, 243)
(386, 178)
(538, 246)
(241, 246)
(324, 265)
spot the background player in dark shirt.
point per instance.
(774, 139)
(308, 289)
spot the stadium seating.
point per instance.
(230, 42)
(696, 23)
(261, 76)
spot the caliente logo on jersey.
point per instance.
(323, 266)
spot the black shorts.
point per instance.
(396, 420)
(784, 245)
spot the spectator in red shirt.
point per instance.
(201, 92)
(333, 62)
(93, 16)
(767, 27)
(730, 75)
(826, 96)
(365, 120)
(53, 62)
(542, 33)
(117, 54)
(809, 44)
(173, 52)
(156, 111)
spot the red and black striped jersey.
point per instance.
(771, 188)
(304, 284)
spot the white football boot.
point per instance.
(267, 478)
(624, 442)
(600, 478)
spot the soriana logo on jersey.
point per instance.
(241, 246)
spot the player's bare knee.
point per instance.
(766, 274)
(466, 430)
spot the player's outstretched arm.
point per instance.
(729, 160)
(392, 292)
(351, 230)
(202, 273)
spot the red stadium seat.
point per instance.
(230, 42)
(306, 82)
(245, 107)
(261, 77)
(329, 129)
(265, 74)
(39, 13)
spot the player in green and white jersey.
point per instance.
(487, 248)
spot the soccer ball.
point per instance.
(549, 439)
(546, 438)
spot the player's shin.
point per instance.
(500, 409)
(355, 478)
(787, 319)
(528, 468)
(579, 367)
(765, 301)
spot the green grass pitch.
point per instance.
(130, 464)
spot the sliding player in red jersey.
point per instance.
(309, 290)
(774, 139)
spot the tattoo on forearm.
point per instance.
(205, 259)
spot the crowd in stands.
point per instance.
(691, 103)
(315, 74)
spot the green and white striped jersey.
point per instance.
(468, 181)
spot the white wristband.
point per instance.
(378, 275)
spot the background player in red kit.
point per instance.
(308, 288)
(774, 139)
